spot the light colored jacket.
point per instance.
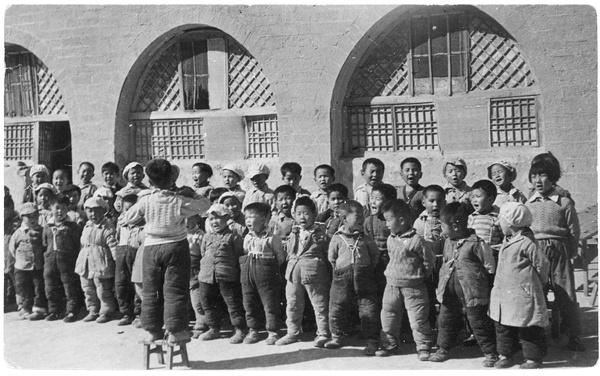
(98, 247)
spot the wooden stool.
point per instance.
(157, 347)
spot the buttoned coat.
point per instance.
(98, 245)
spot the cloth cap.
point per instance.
(104, 192)
(455, 162)
(95, 202)
(512, 172)
(36, 169)
(129, 167)
(516, 214)
(226, 195)
(218, 209)
(45, 186)
(235, 169)
(257, 169)
(28, 208)
(71, 188)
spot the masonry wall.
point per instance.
(96, 53)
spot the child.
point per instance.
(44, 193)
(60, 179)
(232, 175)
(107, 195)
(336, 195)
(28, 252)
(166, 258)
(372, 173)
(12, 222)
(306, 274)
(110, 176)
(551, 159)
(411, 262)
(86, 173)
(236, 221)
(468, 264)
(457, 190)
(484, 220)
(133, 173)
(201, 172)
(260, 191)
(76, 215)
(38, 174)
(61, 240)
(519, 315)
(324, 177)
(263, 256)
(353, 256)
(556, 228)
(291, 174)
(282, 224)
(95, 263)
(503, 174)
(220, 276)
(194, 237)
(129, 239)
(412, 192)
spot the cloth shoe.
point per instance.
(126, 320)
(385, 352)
(71, 317)
(287, 339)
(372, 346)
(92, 316)
(272, 338)
(504, 362)
(490, 360)
(238, 337)
(423, 355)
(35, 316)
(252, 337)
(441, 355)
(23, 314)
(103, 319)
(320, 341)
(531, 364)
(212, 333)
(137, 322)
(176, 337)
(52, 317)
(334, 343)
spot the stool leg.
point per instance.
(169, 357)
(160, 352)
(146, 356)
(184, 355)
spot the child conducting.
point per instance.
(324, 177)
(411, 261)
(261, 282)
(353, 256)
(260, 192)
(372, 174)
(503, 174)
(517, 302)
(306, 274)
(468, 264)
(166, 262)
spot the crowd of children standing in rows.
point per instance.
(486, 254)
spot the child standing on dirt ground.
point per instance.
(194, 237)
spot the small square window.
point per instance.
(513, 122)
(18, 142)
(262, 136)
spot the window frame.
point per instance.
(536, 114)
(247, 124)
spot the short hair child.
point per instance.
(372, 173)
(337, 193)
(464, 284)
(60, 179)
(291, 174)
(557, 172)
(306, 274)
(283, 221)
(410, 263)
(502, 174)
(27, 249)
(201, 173)
(353, 255)
(521, 263)
(261, 284)
(324, 177)
(86, 173)
(110, 176)
(485, 218)
(556, 228)
(457, 190)
(412, 192)
(220, 281)
(195, 233)
(216, 193)
(165, 237)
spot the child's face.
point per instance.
(30, 220)
(110, 178)
(354, 221)
(482, 203)
(43, 198)
(259, 180)
(396, 225)
(304, 216)
(255, 222)
(411, 173)
(216, 222)
(59, 179)
(73, 198)
(59, 211)
(86, 173)
(542, 183)
(454, 174)
(506, 229)
(126, 206)
(335, 199)
(453, 230)
(199, 176)
(289, 178)
(230, 179)
(376, 201)
(135, 175)
(39, 178)
(233, 205)
(284, 203)
(433, 203)
(96, 215)
(372, 174)
(500, 176)
(191, 222)
(323, 178)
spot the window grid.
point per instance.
(262, 135)
(416, 127)
(18, 141)
(513, 122)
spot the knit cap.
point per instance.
(218, 209)
(129, 167)
(516, 214)
(226, 195)
(235, 169)
(456, 162)
(511, 170)
(28, 208)
(103, 192)
(95, 202)
(45, 186)
(36, 169)
(257, 169)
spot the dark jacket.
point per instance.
(307, 264)
(220, 257)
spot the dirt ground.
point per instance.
(90, 346)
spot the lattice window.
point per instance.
(248, 85)
(416, 127)
(49, 96)
(170, 139)
(262, 136)
(513, 122)
(18, 142)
